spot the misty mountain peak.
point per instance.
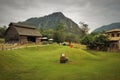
(56, 14)
(51, 21)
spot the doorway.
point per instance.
(31, 39)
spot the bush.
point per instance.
(96, 41)
(1, 40)
(45, 42)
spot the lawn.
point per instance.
(42, 63)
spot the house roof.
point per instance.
(25, 29)
(21, 25)
(113, 30)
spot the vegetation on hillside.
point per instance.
(51, 22)
(59, 35)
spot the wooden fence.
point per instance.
(9, 46)
(16, 46)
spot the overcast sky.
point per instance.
(93, 12)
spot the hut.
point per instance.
(114, 39)
(22, 34)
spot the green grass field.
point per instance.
(42, 63)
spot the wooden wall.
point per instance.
(38, 40)
(23, 40)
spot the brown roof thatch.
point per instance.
(21, 25)
(25, 29)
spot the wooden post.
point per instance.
(119, 44)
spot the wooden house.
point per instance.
(114, 38)
(22, 34)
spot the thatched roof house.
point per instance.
(19, 33)
(114, 38)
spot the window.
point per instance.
(112, 35)
(118, 35)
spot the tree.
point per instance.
(47, 32)
(101, 41)
(2, 31)
(84, 28)
(59, 34)
(72, 38)
(96, 41)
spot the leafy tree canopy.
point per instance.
(2, 31)
(95, 41)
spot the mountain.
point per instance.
(108, 27)
(51, 22)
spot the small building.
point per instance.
(114, 38)
(22, 34)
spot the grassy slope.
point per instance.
(42, 63)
